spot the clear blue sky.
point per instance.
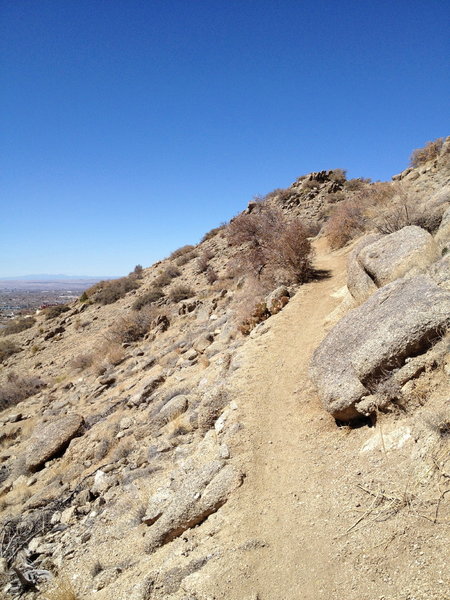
(129, 128)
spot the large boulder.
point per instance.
(400, 320)
(51, 440)
(359, 283)
(376, 262)
(442, 236)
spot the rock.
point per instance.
(359, 283)
(277, 299)
(102, 482)
(107, 380)
(146, 388)
(176, 406)
(442, 236)
(51, 440)
(440, 272)
(51, 334)
(126, 423)
(364, 349)
(200, 493)
(203, 342)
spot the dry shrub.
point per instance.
(108, 292)
(211, 275)
(354, 185)
(82, 361)
(60, 589)
(185, 258)
(183, 250)
(213, 232)
(7, 348)
(249, 305)
(149, 297)
(166, 276)
(52, 312)
(338, 175)
(180, 292)
(202, 263)
(347, 221)
(132, 327)
(18, 325)
(430, 151)
(277, 249)
(18, 388)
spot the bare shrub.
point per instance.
(181, 251)
(202, 263)
(180, 292)
(353, 185)
(52, 312)
(338, 175)
(211, 275)
(185, 258)
(82, 361)
(166, 276)
(7, 348)
(149, 297)
(18, 325)
(213, 232)
(430, 151)
(347, 221)
(108, 292)
(132, 327)
(138, 271)
(18, 388)
(277, 248)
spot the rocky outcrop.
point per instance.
(378, 260)
(200, 493)
(51, 440)
(401, 320)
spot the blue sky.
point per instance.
(129, 128)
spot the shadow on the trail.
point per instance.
(320, 274)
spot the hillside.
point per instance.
(262, 416)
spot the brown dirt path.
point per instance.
(283, 503)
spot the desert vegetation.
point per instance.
(430, 151)
(17, 325)
(18, 387)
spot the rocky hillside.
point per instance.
(264, 415)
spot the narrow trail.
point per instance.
(285, 504)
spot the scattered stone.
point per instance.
(51, 439)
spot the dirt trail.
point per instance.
(283, 500)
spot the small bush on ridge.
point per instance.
(430, 151)
(180, 292)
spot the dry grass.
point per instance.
(430, 151)
(150, 297)
(60, 589)
(18, 388)
(82, 361)
(17, 325)
(180, 292)
(7, 349)
(133, 326)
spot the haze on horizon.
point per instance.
(132, 128)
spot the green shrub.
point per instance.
(149, 297)
(18, 325)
